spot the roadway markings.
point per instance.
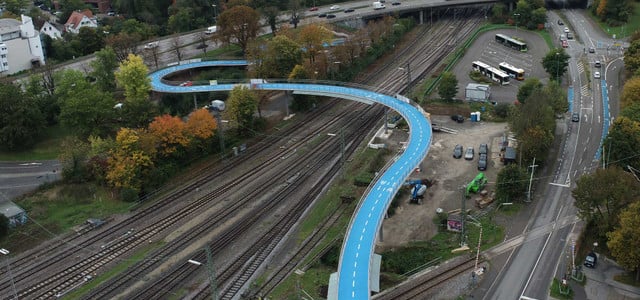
(584, 90)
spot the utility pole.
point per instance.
(463, 213)
(533, 168)
(212, 273)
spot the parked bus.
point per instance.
(514, 72)
(491, 72)
(511, 42)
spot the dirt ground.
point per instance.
(414, 222)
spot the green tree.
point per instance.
(632, 57)
(37, 90)
(622, 144)
(555, 63)
(631, 112)
(74, 160)
(242, 105)
(278, 58)
(132, 76)
(16, 7)
(239, 25)
(557, 97)
(91, 40)
(624, 241)
(21, 121)
(511, 183)
(448, 87)
(83, 107)
(104, 67)
(630, 92)
(530, 84)
(67, 7)
(601, 196)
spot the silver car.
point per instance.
(469, 154)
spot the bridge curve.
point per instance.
(357, 250)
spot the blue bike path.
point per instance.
(358, 247)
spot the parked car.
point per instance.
(187, 83)
(330, 16)
(592, 50)
(334, 7)
(566, 30)
(151, 45)
(596, 75)
(597, 64)
(560, 22)
(348, 10)
(457, 151)
(469, 154)
(484, 149)
(395, 3)
(457, 118)
(569, 36)
(322, 15)
(315, 8)
(591, 260)
(482, 162)
(575, 117)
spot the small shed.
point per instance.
(509, 155)
(13, 212)
(477, 92)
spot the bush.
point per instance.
(4, 226)
(129, 195)
(501, 110)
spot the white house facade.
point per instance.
(20, 46)
(78, 20)
(51, 30)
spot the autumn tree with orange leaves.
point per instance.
(170, 132)
(131, 159)
(201, 124)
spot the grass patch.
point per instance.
(112, 272)
(554, 290)
(628, 278)
(57, 209)
(620, 31)
(47, 148)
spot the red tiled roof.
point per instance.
(76, 18)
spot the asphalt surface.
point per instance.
(526, 271)
(17, 178)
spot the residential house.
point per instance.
(20, 46)
(51, 30)
(78, 20)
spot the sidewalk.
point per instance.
(601, 285)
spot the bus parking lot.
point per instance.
(487, 50)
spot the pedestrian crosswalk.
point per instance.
(584, 90)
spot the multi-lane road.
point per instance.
(526, 271)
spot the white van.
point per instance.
(211, 30)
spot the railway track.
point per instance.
(424, 286)
(124, 243)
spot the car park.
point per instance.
(575, 117)
(484, 149)
(596, 75)
(457, 118)
(348, 10)
(330, 16)
(482, 162)
(334, 7)
(468, 155)
(457, 151)
(592, 50)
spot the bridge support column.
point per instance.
(421, 17)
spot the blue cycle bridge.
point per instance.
(357, 251)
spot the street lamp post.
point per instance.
(516, 19)
(210, 270)
(215, 13)
(217, 106)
